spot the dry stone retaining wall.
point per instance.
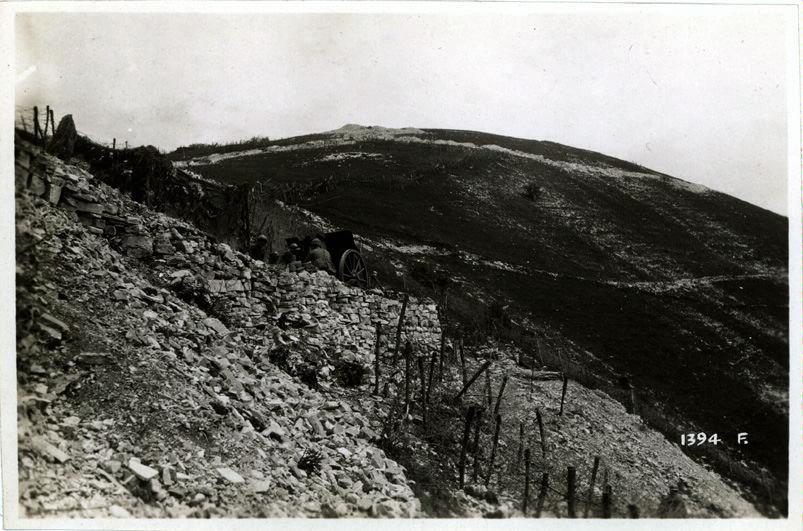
(243, 292)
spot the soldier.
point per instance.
(320, 257)
(291, 255)
(259, 250)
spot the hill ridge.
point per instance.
(123, 289)
(579, 247)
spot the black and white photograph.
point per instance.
(367, 260)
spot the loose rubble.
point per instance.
(163, 374)
(146, 343)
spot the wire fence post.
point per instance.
(539, 507)
(442, 350)
(37, 129)
(590, 494)
(476, 446)
(607, 493)
(430, 377)
(526, 498)
(488, 391)
(464, 445)
(376, 359)
(399, 327)
(541, 431)
(472, 379)
(47, 123)
(463, 362)
(571, 477)
(632, 510)
(498, 419)
(499, 396)
(422, 374)
(408, 354)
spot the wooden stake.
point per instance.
(47, 121)
(563, 394)
(542, 494)
(493, 449)
(590, 494)
(463, 362)
(37, 129)
(423, 376)
(473, 378)
(606, 501)
(488, 391)
(52, 121)
(376, 359)
(408, 354)
(476, 446)
(464, 445)
(431, 372)
(442, 350)
(499, 396)
(399, 327)
(526, 481)
(541, 431)
(571, 478)
(521, 445)
(114, 144)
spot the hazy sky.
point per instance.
(699, 96)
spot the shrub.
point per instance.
(532, 191)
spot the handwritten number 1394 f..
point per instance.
(697, 439)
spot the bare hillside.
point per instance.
(611, 268)
(156, 380)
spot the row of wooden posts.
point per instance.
(40, 134)
(473, 422)
(571, 492)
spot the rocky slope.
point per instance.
(135, 402)
(155, 379)
(621, 273)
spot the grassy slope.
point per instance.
(707, 350)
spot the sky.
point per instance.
(698, 94)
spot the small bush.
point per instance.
(532, 191)
(351, 373)
(310, 462)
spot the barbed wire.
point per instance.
(24, 119)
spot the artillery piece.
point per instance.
(346, 257)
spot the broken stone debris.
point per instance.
(223, 356)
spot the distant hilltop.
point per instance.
(356, 131)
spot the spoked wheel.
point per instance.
(353, 270)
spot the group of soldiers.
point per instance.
(318, 255)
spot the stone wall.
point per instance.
(149, 178)
(239, 291)
(232, 214)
